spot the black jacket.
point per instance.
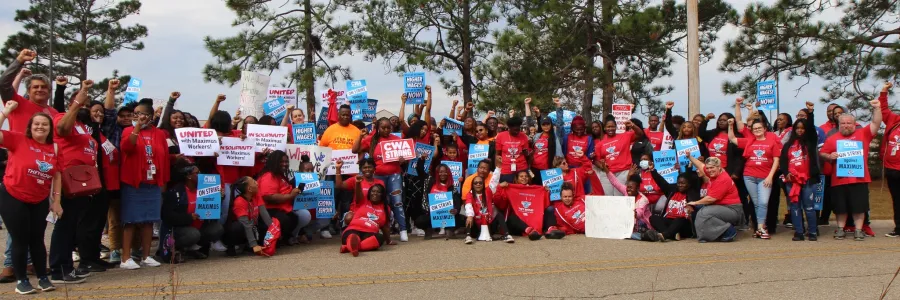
(174, 211)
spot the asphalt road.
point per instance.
(573, 268)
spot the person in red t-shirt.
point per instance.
(388, 172)
(179, 217)
(890, 153)
(653, 132)
(38, 89)
(614, 150)
(366, 168)
(720, 208)
(513, 150)
(368, 223)
(801, 168)
(648, 187)
(441, 183)
(674, 222)
(850, 195)
(505, 199)
(247, 210)
(279, 193)
(761, 153)
(569, 212)
(482, 214)
(33, 166)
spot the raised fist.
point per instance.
(403, 97)
(887, 86)
(25, 72)
(739, 100)
(26, 55)
(730, 122)
(670, 104)
(62, 80)
(875, 103)
(490, 113)
(11, 105)
(470, 106)
(290, 107)
(428, 89)
(175, 95)
(810, 105)
(112, 85)
(220, 98)
(527, 100)
(710, 116)
(455, 102)
(338, 164)
(87, 84)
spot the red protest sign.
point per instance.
(394, 150)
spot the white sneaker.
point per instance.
(195, 247)
(129, 265)
(419, 232)
(325, 234)
(404, 237)
(150, 262)
(469, 240)
(442, 232)
(75, 257)
(218, 247)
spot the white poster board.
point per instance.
(351, 162)
(609, 217)
(320, 157)
(254, 88)
(197, 141)
(235, 152)
(267, 136)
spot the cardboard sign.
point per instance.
(392, 151)
(456, 169)
(318, 156)
(664, 163)
(369, 112)
(440, 205)
(341, 98)
(553, 178)
(351, 162)
(477, 153)
(304, 134)
(197, 141)
(209, 197)
(288, 94)
(421, 149)
(237, 153)
(851, 160)
(266, 136)
(254, 88)
(325, 208)
(322, 122)
(567, 116)
(414, 87)
(609, 217)
(767, 95)
(622, 113)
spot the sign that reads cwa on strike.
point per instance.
(394, 150)
(197, 141)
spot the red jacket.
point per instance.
(134, 157)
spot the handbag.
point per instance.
(80, 181)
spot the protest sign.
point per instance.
(325, 207)
(235, 152)
(253, 93)
(197, 141)
(322, 122)
(304, 134)
(351, 162)
(686, 147)
(622, 113)
(267, 136)
(553, 179)
(819, 193)
(357, 91)
(609, 217)
(369, 112)
(341, 98)
(275, 108)
(209, 197)
(477, 153)
(414, 87)
(318, 156)
(664, 163)
(421, 149)
(452, 126)
(309, 198)
(851, 159)
(133, 91)
(456, 169)
(396, 149)
(288, 94)
(567, 116)
(439, 205)
(767, 95)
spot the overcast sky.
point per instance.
(174, 57)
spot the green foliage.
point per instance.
(802, 39)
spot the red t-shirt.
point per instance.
(18, 119)
(798, 160)
(231, 174)
(365, 190)
(676, 206)
(576, 177)
(513, 151)
(192, 206)
(576, 151)
(439, 188)
(270, 185)
(892, 149)
(760, 155)
(721, 188)
(30, 169)
(863, 134)
(76, 149)
(134, 157)
(381, 168)
(718, 147)
(649, 187)
(615, 150)
(655, 137)
(111, 159)
(243, 208)
(367, 218)
(570, 219)
(541, 152)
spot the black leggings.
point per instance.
(26, 224)
(669, 227)
(517, 226)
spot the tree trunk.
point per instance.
(609, 87)
(308, 66)
(587, 100)
(466, 69)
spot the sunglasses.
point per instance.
(477, 183)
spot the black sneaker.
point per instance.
(798, 237)
(892, 234)
(813, 237)
(80, 273)
(24, 288)
(66, 279)
(45, 285)
(104, 248)
(87, 268)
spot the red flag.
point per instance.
(332, 107)
(528, 202)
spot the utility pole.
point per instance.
(52, 37)
(693, 59)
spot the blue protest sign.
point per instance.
(322, 122)
(356, 90)
(209, 197)
(421, 149)
(767, 95)
(686, 147)
(357, 109)
(819, 193)
(456, 168)
(370, 110)
(414, 87)
(309, 199)
(477, 153)
(452, 126)
(851, 160)
(275, 108)
(397, 134)
(440, 205)
(304, 134)
(325, 208)
(568, 116)
(553, 178)
(664, 163)
(133, 91)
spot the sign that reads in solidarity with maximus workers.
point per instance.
(477, 153)
(440, 205)
(235, 152)
(553, 179)
(197, 141)
(253, 93)
(266, 136)
(686, 147)
(414, 87)
(622, 113)
(351, 162)
(309, 198)
(325, 206)
(664, 163)
(209, 197)
(395, 150)
(767, 95)
(851, 159)
(304, 134)
(275, 108)
(421, 149)
(357, 91)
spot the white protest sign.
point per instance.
(318, 156)
(351, 162)
(288, 94)
(235, 152)
(341, 98)
(609, 217)
(622, 113)
(266, 136)
(253, 93)
(197, 141)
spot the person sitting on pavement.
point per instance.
(190, 234)
(569, 212)
(247, 210)
(368, 223)
(720, 208)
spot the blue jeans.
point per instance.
(8, 253)
(226, 205)
(759, 194)
(303, 219)
(805, 202)
(394, 189)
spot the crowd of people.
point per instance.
(735, 183)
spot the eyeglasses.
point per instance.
(478, 183)
(759, 128)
